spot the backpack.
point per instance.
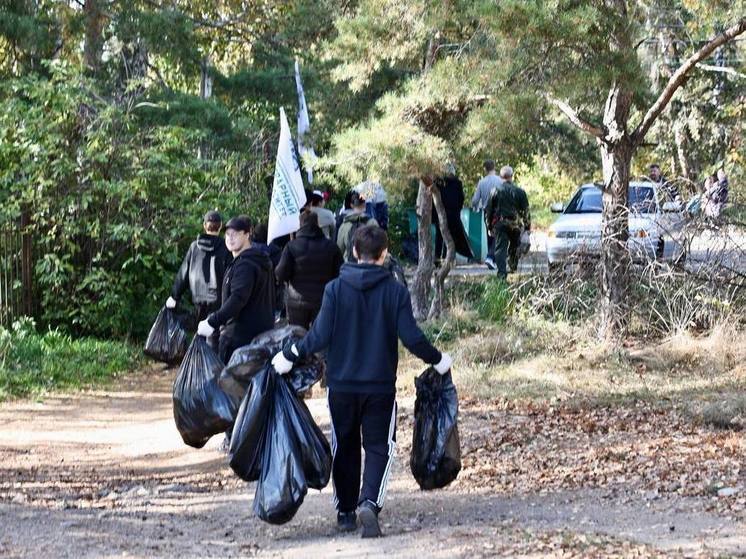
(357, 224)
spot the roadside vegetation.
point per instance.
(33, 362)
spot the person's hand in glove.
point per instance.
(284, 360)
(170, 303)
(204, 329)
(444, 365)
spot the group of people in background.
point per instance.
(507, 217)
(709, 200)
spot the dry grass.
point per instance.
(529, 357)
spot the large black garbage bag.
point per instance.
(314, 448)
(244, 454)
(167, 339)
(248, 360)
(282, 483)
(275, 339)
(245, 362)
(436, 453)
(201, 408)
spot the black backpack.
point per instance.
(357, 224)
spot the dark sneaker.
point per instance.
(369, 519)
(347, 521)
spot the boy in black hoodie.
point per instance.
(363, 312)
(247, 295)
(202, 271)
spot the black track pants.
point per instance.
(374, 417)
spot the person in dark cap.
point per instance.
(247, 294)
(202, 271)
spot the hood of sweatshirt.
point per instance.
(257, 256)
(208, 243)
(363, 276)
(310, 231)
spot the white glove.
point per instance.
(204, 329)
(170, 303)
(281, 363)
(444, 365)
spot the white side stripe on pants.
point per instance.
(335, 500)
(392, 453)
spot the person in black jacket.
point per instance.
(274, 251)
(452, 194)
(248, 292)
(363, 312)
(307, 264)
(202, 271)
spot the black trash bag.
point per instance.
(245, 362)
(282, 483)
(201, 408)
(248, 360)
(244, 454)
(306, 373)
(313, 446)
(167, 340)
(275, 339)
(436, 454)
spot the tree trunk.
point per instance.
(94, 43)
(440, 276)
(421, 282)
(617, 148)
(615, 256)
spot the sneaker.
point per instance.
(490, 263)
(369, 519)
(347, 521)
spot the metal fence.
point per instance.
(16, 273)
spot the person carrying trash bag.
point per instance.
(202, 272)
(363, 312)
(247, 306)
(167, 339)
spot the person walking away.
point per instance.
(452, 194)
(345, 210)
(479, 204)
(376, 204)
(505, 214)
(247, 293)
(712, 197)
(327, 221)
(202, 272)
(352, 222)
(363, 314)
(274, 251)
(524, 219)
(307, 264)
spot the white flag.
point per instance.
(304, 125)
(288, 195)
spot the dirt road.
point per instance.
(105, 474)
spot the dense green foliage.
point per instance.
(32, 363)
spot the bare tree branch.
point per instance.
(573, 117)
(678, 77)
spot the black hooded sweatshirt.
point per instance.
(248, 298)
(363, 313)
(202, 270)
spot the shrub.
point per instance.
(496, 301)
(32, 363)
